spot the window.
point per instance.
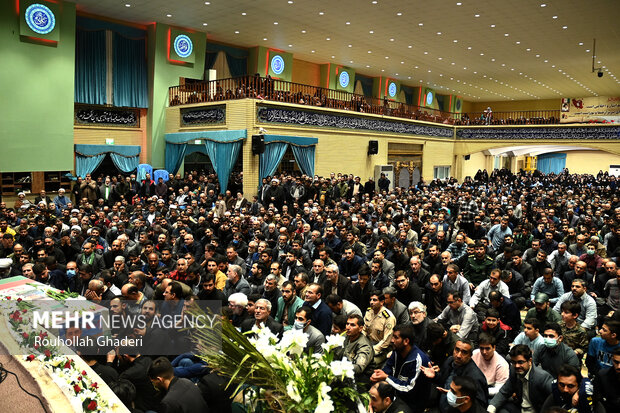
(441, 172)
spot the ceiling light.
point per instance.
(455, 41)
(565, 27)
(391, 40)
(396, 74)
(207, 2)
(459, 3)
(481, 54)
(369, 51)
(276, 23)
(493, 59)
(312, 51)
(492, 25)
(417, 67)
(476, 15)
(321, 13)
(425, 52)
(408, 77)
(127, 5)
(399, 14)
(383, 70)
(367, 66)
(528, 49)
(333, 57)
(543, 5)
(290, 45)
(387, 57)
(440, 58)
(438, 33)
(244, 13)
(517, 42)
(410, 46)
(290, 1)
(402, 63)
(371, 32)
(303, 32)
(506, 34)
(429, 70)
(374, 1)
(236, 31)
(537, 55)
(555, 17)
(350, 45)
(348, 23)
(469, 48)
(205, 24)
(350, 61)
(588, 50)
(420, 24)
(264, 38)
(328, 38)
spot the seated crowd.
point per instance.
(498, 295)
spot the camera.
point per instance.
(600, 73)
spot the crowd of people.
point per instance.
(496, 294)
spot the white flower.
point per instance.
(333, 341)
(325, 406)
(324, 389)
(293, 341)
(293, 393)
(342, 368)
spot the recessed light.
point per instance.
(580, 43)
(207, 3)
(493, 59)
(311, 51)
(399, 14)
(546, 61)
(417, 67)
(350, 61)
(374, 1)
(387, 57)
(440, 58)
(328, 38)
(396, 74)
(236, 31)
(537, 55)
(205, 24)
(370, 51)
(402, 63)
(455, 41)
(392, 39)
(371, 32)
(517, 42)
(303, 32)
(128, 5)
(276, 23)
(555, 17)
(408, 77)
(459, 3)
(469, 48)
(429, 70)
(587, 50)
(425, 52)
(528, 49)
(290, 1)
(481, 54)
(321, 13)
(367, 66)
(506, 34)
(168, 15)
(543, 5)
(350, 45)
(492, 25)
(565, 27)
(244, 13)
(410, 47)
(438, 33)
(420, 24)
(264, 38)
(290, 45)
(333, 57)
(383, 70)
(347, 23)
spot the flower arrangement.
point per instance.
(279, 375)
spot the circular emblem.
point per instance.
(344, 79)
(277, 65)
(183, 46)
(429, 98)
(40, 18)
(458, 104)
(392, 89)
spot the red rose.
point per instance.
(48, 353)
(30, 357)
(92, 405)
(36, 346)
(83, 372)
(67, 365)
(19, 300)
(76, 388)
(62, 291)
(94, 385)
(25, 335)
(24, 311)
(8, 297)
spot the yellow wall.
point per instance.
(306, 73)
(476, 161)
(509, 106)
(590, 162)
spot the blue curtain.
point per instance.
(125, 163)
(143, 169)
(87, 164)
(551, 163)
(130, 77)
(304, 156)
(223, 157)
(175, 154)
(270, 159)
(90, 67)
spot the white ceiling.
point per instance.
(531, 52)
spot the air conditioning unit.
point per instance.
(388, 170)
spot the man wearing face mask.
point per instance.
(462, 396)
(527, 387)
(315, 337)
(554, 353)
(571, 392)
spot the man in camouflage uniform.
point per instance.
(358, 350)
(478, 266)
(575, 336)
(379, 324)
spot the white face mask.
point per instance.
(298, 325)
(452, 399)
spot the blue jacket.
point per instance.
(321, 318)
(407, 378)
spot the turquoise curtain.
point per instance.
(271, 158)
(87, 164)
(125, 163)
(130, 75)
(237, 66)
(223, 156)
(90, 67)
(143, 169)
(551, 163)
(175, 154)
(408, 94)
(367, 83)
(304, 156)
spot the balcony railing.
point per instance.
(256, 87)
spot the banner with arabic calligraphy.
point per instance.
(601, 109)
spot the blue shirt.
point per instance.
(602, 352)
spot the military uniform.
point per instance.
(379, 328)
(360, 353)
(477, 271)
(575, 338)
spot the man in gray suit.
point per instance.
(527, 387)
(315, 337)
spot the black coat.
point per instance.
(539, 389)
(183, 397)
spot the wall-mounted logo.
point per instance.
(392, 89)
(458, 104)
(344, 79)
(277, 65)
(429, 98)
(183, 46)
(40, 18)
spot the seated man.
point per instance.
(480, 300)
(459, 318)
(402, 369)
(439, 343)
(527, 387)
(601, 348)
(462, 396)
(262, 319)
(494, 367)
(568, 387)
(543, 311)
(554, 353)
(357, 348)
(315, 337)
(383, 399)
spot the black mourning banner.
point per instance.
(547, 132)
(203, 116)
(107, 116)
(302, 117)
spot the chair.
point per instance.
(143, 169)
(160, 173)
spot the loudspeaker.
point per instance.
(258, 144)
(466, 157)
(373, 147)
